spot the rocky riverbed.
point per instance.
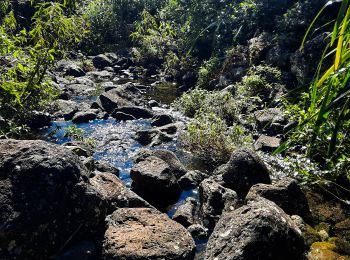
(138, 194)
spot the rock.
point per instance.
(271, 119)
(267, 143)
(74, 70)
(66, 109)
(190, 79)
(169, 157)
(169, 128)
(286, 193)
(38, 119)
(157, 136)
(120, 116)
(278, 56)
(110, 189)
(197, 231)
(258, 230)
(111, 100)
(214, 200)
(342, 229)
(185, 213)
(105, 167)
(152, 177)
(153, 103)
(191, 180)
(161, 120)
(258, 47)
(243, 170)
(84, 250)
(101, 61)
(80, 148)
(145, 234)
(135, 111)
(40, 205)
(84, 117)
(323, 251)
(100, 75)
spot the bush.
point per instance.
(209, 136)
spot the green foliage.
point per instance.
(324, 120)
(208, 71)
(26, 55)
(78, 134)
(210, 137)
(111, 22)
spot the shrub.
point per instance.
(209, 136)
(208, 71)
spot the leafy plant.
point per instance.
(78, 134)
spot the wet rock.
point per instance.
(214, 200)
(106, 168)
(101, 61)
(162, 120)
(169, 157)
(185, 213)
(111, 100)
(191, 180)
(123, 117)
(267, 143)
(84, 117)
(84, 250)
(145, 234)
(197, 231)
(169, 129)
(243, 170)
(135, 111)
(153, 103)
(157, 136)
(258, 230)
(66, 109)
(286, 193)
(153, 176)
(74, 70)
(39, 204)
(110, 189)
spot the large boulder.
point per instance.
(145, 234)
(111, 100)
(192, 179)
(169, 157)
(286, 193)
(258, 230)
(101, 61)
(243, 170)
(214, 200)
(153, 177)
(114, 193)
(186, 212)
(84, 117)
(40, 200)
(65, 109)
(135, 111)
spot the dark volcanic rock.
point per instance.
(243, 170)
(197, 231)
(84, 117)
(267, 143)
(123, 117)
(40, 199)
(74, 70)
(145, 234)
(259, 230)
(191, 179)
(169, 157)
(162, 120)
(111, 100)
(135, 111)
(152, 177)
(110, 189)
(101, 61)
(214, 200)
(286, 193)
(38, 119)
(106, 167)
(66, 109)
(185, 214)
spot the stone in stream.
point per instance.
(120, 116)
(243, 170)
(214, 200)
(258, 230)
(286, 193)
(154, 180)
(197, 231)
(135, 111)
(157, 136)
(162, 120)
(40, 202)
(145, 234)
(267, 143)
(84, 117)
(101, 61)
(177, 168)
(66, 109)
(191, 179)
(102, 166)
(83, 250)
(38, 119)
(111, 100)
(74, 70)
(185, 213)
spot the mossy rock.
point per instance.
(324, 251)
(310, 235)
